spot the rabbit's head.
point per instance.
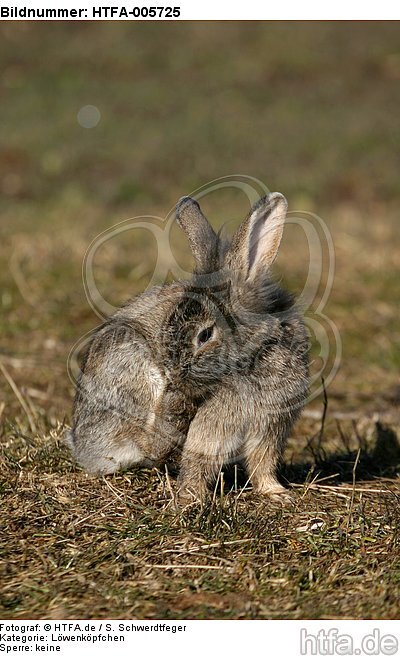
(230, 307)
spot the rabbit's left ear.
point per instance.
(256, 242)
(202, 239)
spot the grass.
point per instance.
(316, 120)
(119, 548)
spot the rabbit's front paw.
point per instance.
(275, 492)
(188, 492)
(185, 498)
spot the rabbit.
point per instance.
(214, 368)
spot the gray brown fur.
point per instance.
(214, 368)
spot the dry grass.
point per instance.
(319, 119)
(75, 547)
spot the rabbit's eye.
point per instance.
(205, 335)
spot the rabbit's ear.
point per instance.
(202, 239)
(255, 244)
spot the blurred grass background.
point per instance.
(311, 110)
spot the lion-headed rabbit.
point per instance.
(215, 367)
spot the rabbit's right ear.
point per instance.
(255, 244)
(202, 239)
